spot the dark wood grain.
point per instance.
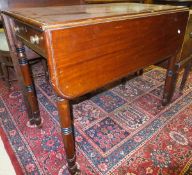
(36, 3)
(187, 3)
(81, 15)
(187, 45)
(186, 74)
(107, 52)
(110, 1)
(64, 109)
(5, 4)
(28, 82)
(8, 24)
(26, 32)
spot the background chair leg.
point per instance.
(45, 68)
(139, 72)
(6, 74)
(185, 76)
(1, 72)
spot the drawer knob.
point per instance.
(35, 39)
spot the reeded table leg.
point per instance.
(64, 109)
(170, 82)
(29, 84)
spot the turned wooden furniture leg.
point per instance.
(64, 109)
(170, 82)
(139, 72)
(9, 26)
(29, 84)
(185, 75)
(1, 71)
(45, 68)
(6, 74)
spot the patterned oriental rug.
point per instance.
(123, 130)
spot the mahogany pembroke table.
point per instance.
(89, 46)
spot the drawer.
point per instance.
(31, 37)
(187, 45)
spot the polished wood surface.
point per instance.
(65, 109)
(178, 1)
(187, 3)
(110, 1)
(84, 65)
(6, 4)
(28, 82)
(116, 1)
(77, 65)
(80, 15)
(26, 33)
(187, 45)
(36, 3)
(89, 46)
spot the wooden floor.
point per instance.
(6, 167)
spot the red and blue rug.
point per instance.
(121, 131)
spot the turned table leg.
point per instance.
(29, 84)
(170, 82)
(185, 75)
(64, 109)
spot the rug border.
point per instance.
(11, 153)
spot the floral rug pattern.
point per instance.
(123, 130)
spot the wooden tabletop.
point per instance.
(176, 0)
(77, 15)
(110, 1)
